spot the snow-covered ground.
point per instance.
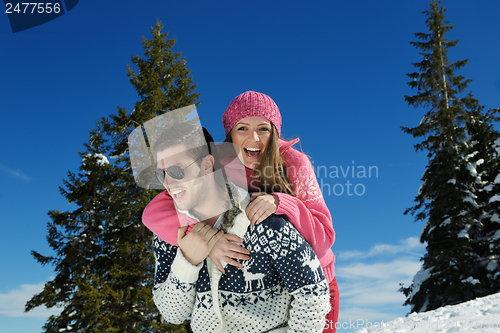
(479, 315)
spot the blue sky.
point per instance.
(336, 69)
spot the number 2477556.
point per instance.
(33, 7)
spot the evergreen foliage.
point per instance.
(104, 261)
(462, 230)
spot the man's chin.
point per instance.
(181, 204)
(181, 207)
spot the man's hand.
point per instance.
(226, 251)
(198, 243)
(261, 206)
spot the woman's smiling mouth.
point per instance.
(252, 152)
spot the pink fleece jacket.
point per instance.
(307, 210)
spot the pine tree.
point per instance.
(451, 196)
(103, 261)
(483, 164)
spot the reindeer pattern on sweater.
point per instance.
(281, 287)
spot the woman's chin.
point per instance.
(251, 164)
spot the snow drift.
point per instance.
(480, 315)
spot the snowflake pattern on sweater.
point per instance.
(281, 288)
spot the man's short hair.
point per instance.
(198, 141)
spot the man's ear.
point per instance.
(207, 164)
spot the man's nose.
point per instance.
(169, 180)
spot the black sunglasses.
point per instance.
(175, 171)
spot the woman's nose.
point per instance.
(255, 136)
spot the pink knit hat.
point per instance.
(251, 104)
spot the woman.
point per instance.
(282, 180)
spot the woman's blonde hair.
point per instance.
(271, 170)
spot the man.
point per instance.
(281, 288)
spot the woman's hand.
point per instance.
(261, 206)
(198, 243)
(226, 251)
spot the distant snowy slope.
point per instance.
(478, 316)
